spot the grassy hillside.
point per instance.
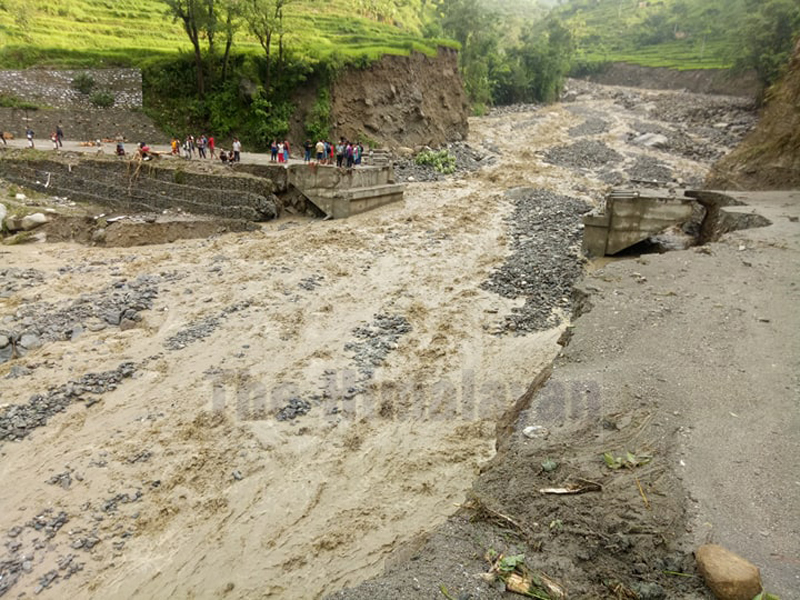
(679, 34)
(83, 33)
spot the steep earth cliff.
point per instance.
(769, 158)
(402, 101)
(701, 81)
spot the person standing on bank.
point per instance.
(29, 135)
(237, 150)
(211, 147)
(59, 135)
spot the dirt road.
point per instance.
(371, 338)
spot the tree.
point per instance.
(265, 18)
(475, 28)
(193, 15)
(546, 60)
(231, 18)
(766, 37)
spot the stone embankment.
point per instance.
(145, 186)
(58, 102)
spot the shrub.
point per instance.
(318, 125)
(103, 99)
(83, 82)
(11, 101)
(441, 160)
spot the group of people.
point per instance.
(279, 151)
(56, 136)
(205, 146)
(344, 152)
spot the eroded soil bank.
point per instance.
(291, 406)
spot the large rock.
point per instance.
(6, 349)
(33, 221)
(3, 212)
(728, 576)
(651, 140)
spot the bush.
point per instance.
(104, 99)
(318, 125)
(441, 160)
(83, 82)
(11, 101)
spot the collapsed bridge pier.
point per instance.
(633, 216)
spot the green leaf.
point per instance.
(549, 465)
(611, 462)
(509, 563)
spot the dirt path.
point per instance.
(181, 481)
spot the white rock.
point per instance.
(3, 212)
(535, 431)
(651, 140)
(33, 221)
(20, 197)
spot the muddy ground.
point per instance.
(288, 411)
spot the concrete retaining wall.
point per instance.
(53, 88)
(81, 124)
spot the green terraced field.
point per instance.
(84, 33)
(679, 34)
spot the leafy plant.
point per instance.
(11, 101)
(83, 82)
(441, 160)
(102, 99)
(630, 460)
(318, 125)
(549, 465)
(509, 563)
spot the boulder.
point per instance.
(3, 212)
(6, 353)
(127, 324)
(33, 221)
(29, 341)
(6, 348)
(728, 576)
(12, 224)
(651, 140)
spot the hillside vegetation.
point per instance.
(769, 158)
(91, 33)
(684, 34)
(235, 64)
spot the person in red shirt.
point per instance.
(211, 146)
(144, 151)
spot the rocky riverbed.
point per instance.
(289, 407)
